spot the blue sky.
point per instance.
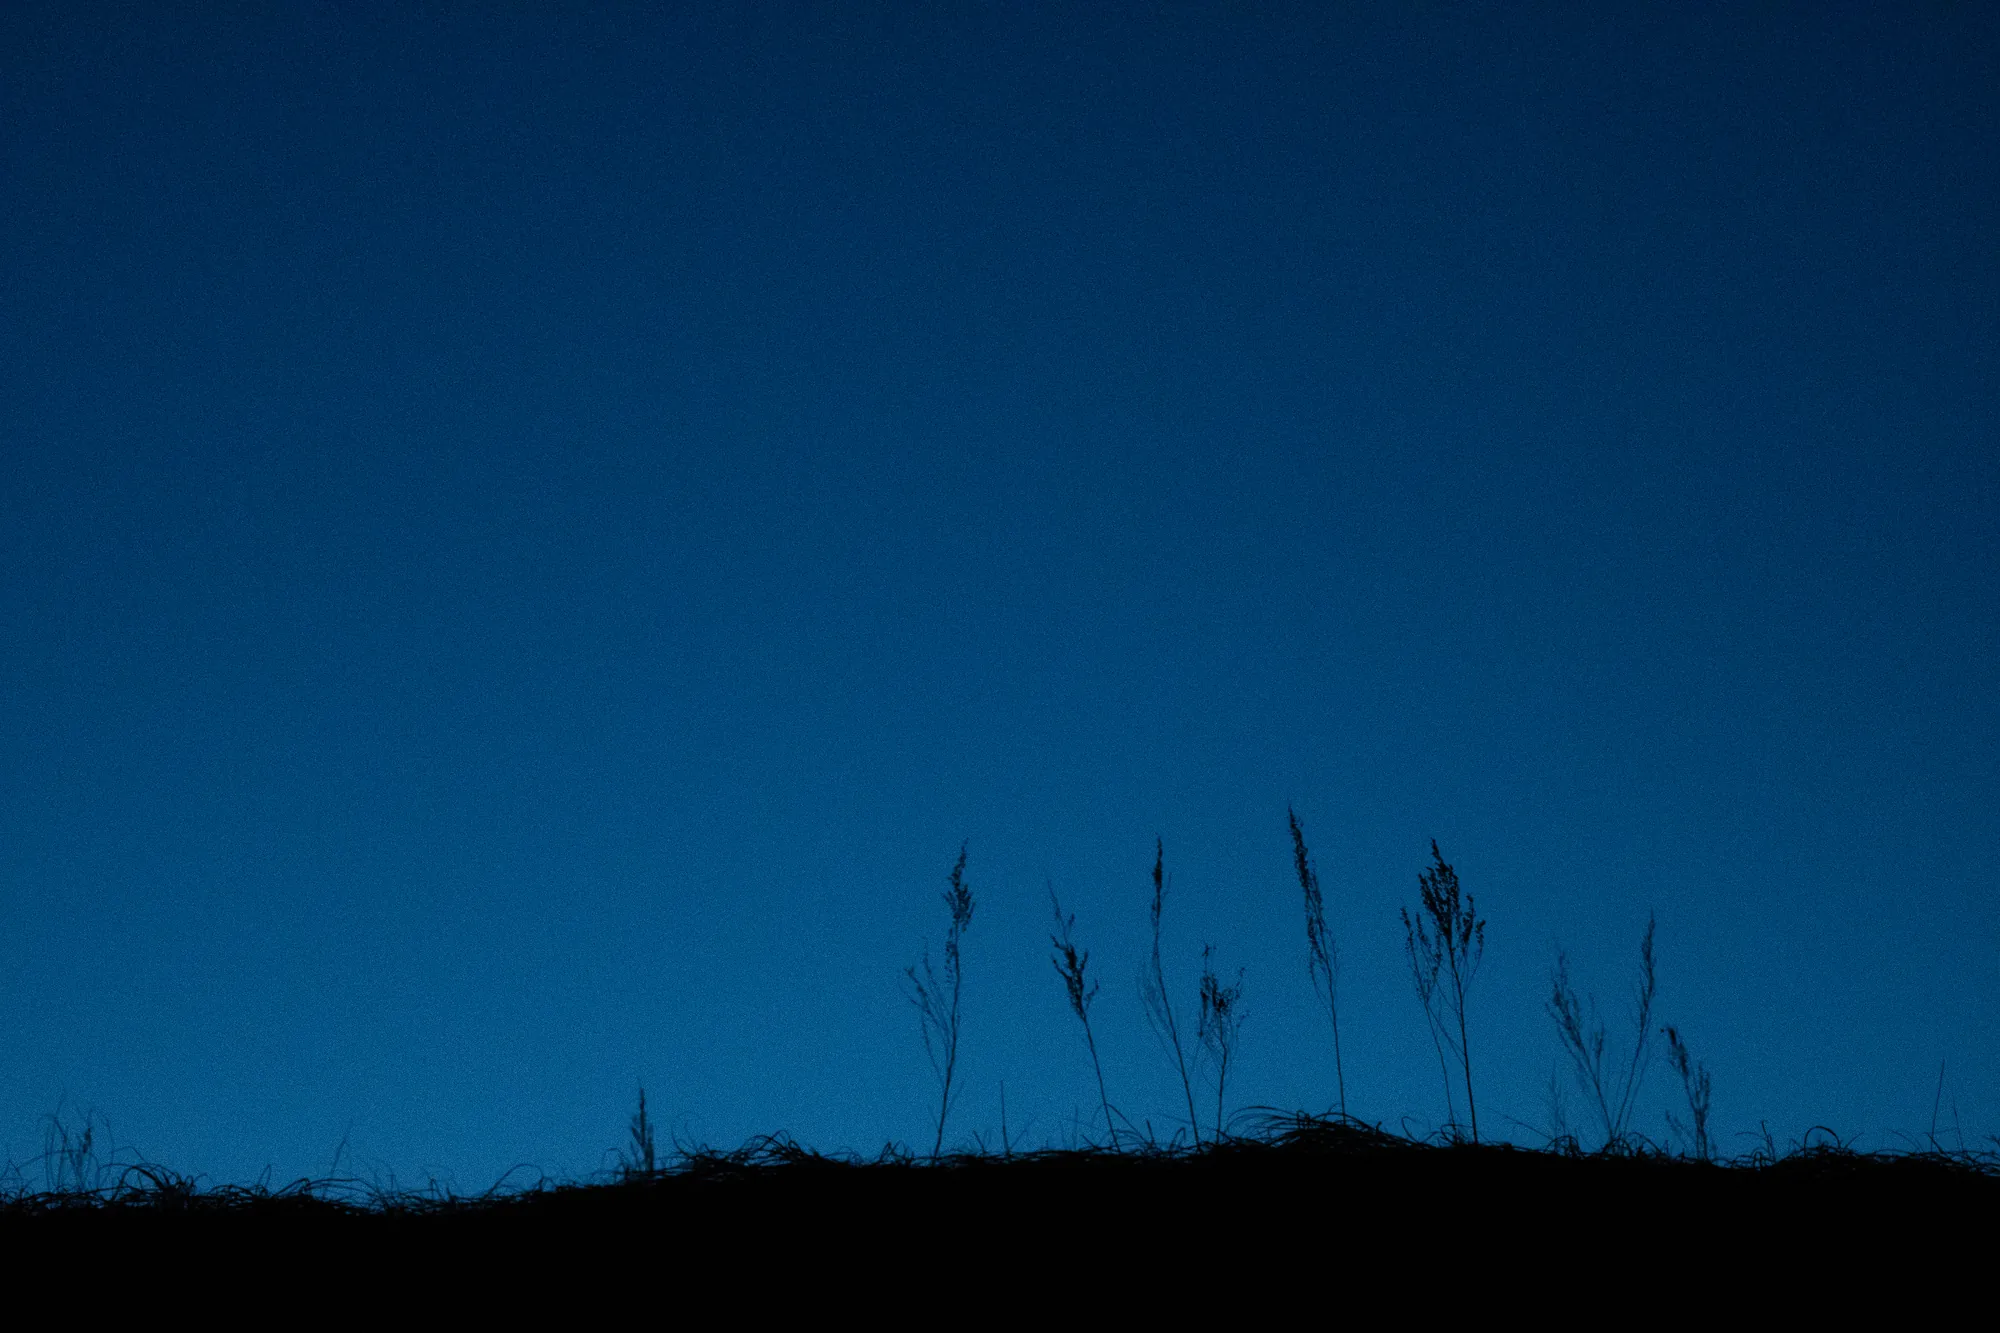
(529, 539)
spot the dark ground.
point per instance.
(1317, 1211)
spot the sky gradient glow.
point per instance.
(527, 542)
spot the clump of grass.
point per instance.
(79, 1160)
(1445, 942)
(1221, 1022)
(1612, 1094)
(640, 1159)
(1695, 1084)
(1072, 965)
(1322, 957)
(1555, 1128)
(1153, 996)
(69, 1159)
(936, 998)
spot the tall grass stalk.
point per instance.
(78, 1159)
(1072, 965)
(1555, 1104)
(936, 997)
(1221, 1022)
(1445, 942)
(1613, 1093)
(1153, 997)
(1322, 957)
(1694, 1083)
(640, 1158)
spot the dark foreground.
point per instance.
(1311, 1206)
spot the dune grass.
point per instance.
(1134, 1192)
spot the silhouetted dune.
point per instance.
(1305, 1201)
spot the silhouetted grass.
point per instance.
(1612, 1095)
(1322, 955)
(1073, 966)
(1284, 1198)
(1445, 941)
(1155, 998)
(937, 998)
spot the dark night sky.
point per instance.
(528, 537)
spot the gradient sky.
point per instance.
(530, 535)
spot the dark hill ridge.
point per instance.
(1331, 1223)
(1303, 1186)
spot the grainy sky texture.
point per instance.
(530, 535)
